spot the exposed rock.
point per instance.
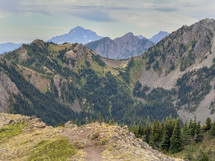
(32, 122)
(93, 142)
(70, 125)
(111, 142)
(7, 88)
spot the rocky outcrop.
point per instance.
(109, 142)
(31, 121)
(7, 89)
(92, 142)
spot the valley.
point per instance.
(71, 82)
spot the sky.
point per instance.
(22, 21)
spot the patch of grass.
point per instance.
(11, 130)
(94, 136)
(103, 141)
(58, 149)
(79, 145)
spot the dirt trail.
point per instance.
(93, 152)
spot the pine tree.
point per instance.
(212, 130)
(156, 134)
(199, 134)
(185, 134)
(185, 126)
(100, 118)
(167, 134)
(192, 128)
(112, 121)
(107, 121)
(91, 119)
(208, 124)
(176, 140)
(140, 130)
(147, 131)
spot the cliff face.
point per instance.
(8, 89)
(29, 138)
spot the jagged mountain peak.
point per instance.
(129, 34)
(207, 20)
(106, 39)
(122, 47)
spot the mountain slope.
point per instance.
(183, 62)
(7, 47)
(28, 138)
(76, 35)
(159, 36)
(75, 79)
(123, 47)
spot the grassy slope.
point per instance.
(90, 83)
(35, 143)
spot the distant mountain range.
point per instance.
(159, 36)
(7, 47)
(120, 48)
(77, 35)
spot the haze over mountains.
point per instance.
(76, 35)
(157, 37)
(84, 36)
(7, 47)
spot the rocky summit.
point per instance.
(28, 138)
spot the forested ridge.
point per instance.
(84, 77)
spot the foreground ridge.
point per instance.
(28, 138)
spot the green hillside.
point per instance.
(71, 82)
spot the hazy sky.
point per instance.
(26, 20)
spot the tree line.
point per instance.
(171, 135)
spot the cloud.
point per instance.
(97, 16)
(53, 27)
(166, 9)
(146, 16)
